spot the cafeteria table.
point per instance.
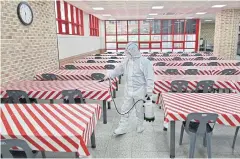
(200, 63)
(150, 54)
(98, 60)
(89, 66)
(185, 58)
(163, 82)
(202, 70)
(73, 75)
(51, 127)
(177, 106)
(53, 90)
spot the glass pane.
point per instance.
(178, 37)
(133, 38)
(178, 45)
(132, 27)
(155, 50)
(110, 27)
(144, 27)
(189, 44)
(155, 45)
(64, 28)
(144, 50)
(166, 37)
(191, 26)
(167, 26)
(166, 44)
(189, 50)
(111, 45)
(155, 27)
(122, 38)
(122, 27)
(110, 38)
(74, 15)
(144, 38)
(144, 45)
(178, 26)
(69, 13)
(191, 37)
(166, 50)
(121, 46)
(156, 38)
(177, 50)
(62, 10)
(70, 28)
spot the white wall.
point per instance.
(71, 45)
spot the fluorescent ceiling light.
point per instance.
(218, 6)
(106, 15)
(189, 17)
(201, 12)
(157, 7)
(150, 18)
(153, 14)
(208, 20)
(98, 8)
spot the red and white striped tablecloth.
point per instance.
(51, 127)
(202, 70)
(98, 60)
(89, 66)
(177, 106)
(191, 58)
(71, 74)
(200, 63)
(104, 57)
(163, 82)
(155, 55)
(53, 89)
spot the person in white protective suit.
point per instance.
(139, 82)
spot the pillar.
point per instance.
(226, 33)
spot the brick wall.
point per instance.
(226, 33)
(26, 49)
(207, 32)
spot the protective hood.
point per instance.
(132, 51)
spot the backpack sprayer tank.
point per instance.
(148, 110)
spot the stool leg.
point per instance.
(208, 137)
(235, 137)
(93, 140)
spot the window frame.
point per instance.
(161, 34)
(78, 15)
(93, 25)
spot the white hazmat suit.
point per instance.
(139, 74)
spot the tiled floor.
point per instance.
(153, 142)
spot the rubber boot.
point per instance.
(122, 127)
(140, 127)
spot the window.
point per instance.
(94, 25)
(132, 27)
(155, 27)
(69, 19)
(121, 27)
(110, 27)
(160, 35)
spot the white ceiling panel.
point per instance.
(130, 10)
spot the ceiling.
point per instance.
(130, 10)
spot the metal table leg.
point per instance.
(116, 86)
(114, 93)
(43, 154)
(172, 139)
(51, 101)
(76, 155)
(93, 140)
(104, 112)
(109, 105)
(120, 79)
